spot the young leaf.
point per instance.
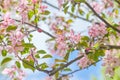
(28, 45)
(41, 52)
(46, 12)
(18, 64)
(12, 27)
(28, 64)
(66, 9)
(5, 60)
(47, 56)
(4, 52)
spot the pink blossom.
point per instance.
(48, 78)
(12, 73)
(108, 3)
(9, 72)
(110, 61)
(42, 8)
(60, 2)
(7, 4)
(74, 38)
(97, 29)
(19, 35)
(83, 62)
(34, 1)
(97, 7)
(7, 20)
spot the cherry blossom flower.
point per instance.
(84, 62)
(7, 20)
(42, 8)
(97, 29)
(108, 3)
(12, 73)
(60, 2)
(74, 38)
(97, 7)
(34, 1)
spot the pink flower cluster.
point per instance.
(84, 62)
(61, 45)
(64, 36)
(14, 73)
(111, 61)
(60, 3)
(34, 1)
(97, 29)
(15, 38)
(74, 38)
(6, 21)
(108, 3)
(43, 8)
(23, 9)
(97, 7)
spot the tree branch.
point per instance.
(65, 65)
(37, 28)
(74, 60)
(109, 47)
(108, 24)
(67, 12)
(77, 70)
(34, 26)
(45, 71)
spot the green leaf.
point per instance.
(80, 11)
(47, 56)
(58, 60)
(41, 52)
(97, 45)
(79, 0)
(4, 52)
(30, 14)
(66, 9)
(73, 8)
(69, 21)
(28, 64)
(11, 27)
(67, 69)
(18, 64)
(5, 60)
(26, 50)
(37, 56)
(36, 19)
(43, 66)
(68, 53)
(28, 45)
(65, 4)
(46, 12)
(50, 40)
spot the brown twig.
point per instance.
(77, 70)
(108, 24)
(45, 71)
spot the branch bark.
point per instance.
(74, 60)
(45, 71)
(77, 70)
(65, 65)
(108, 24)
